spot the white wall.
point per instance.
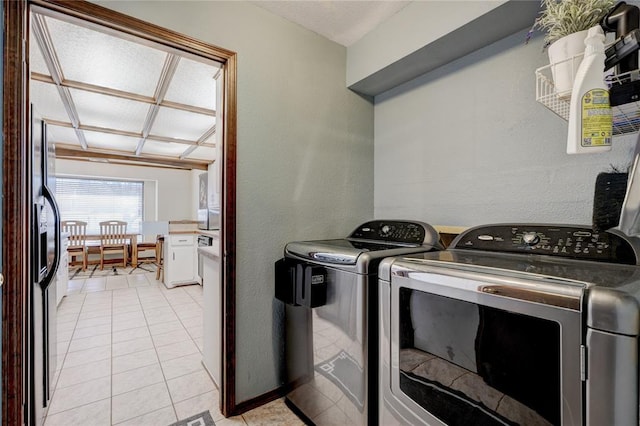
(467, 144)
(168, 192)
(195, 191)
(305, 155)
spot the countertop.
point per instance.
(215, 234)
(447, 229)
(210, 252)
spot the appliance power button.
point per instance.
(530, 238)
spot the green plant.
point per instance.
(563, 17)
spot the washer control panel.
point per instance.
(394, 231)
(554, 240)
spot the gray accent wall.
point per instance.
(455, 29)
(467, 144)
(305, 155)
(413, 27)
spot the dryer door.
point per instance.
(482, 349)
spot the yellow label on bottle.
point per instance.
(597, 121)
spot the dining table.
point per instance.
(93, 247)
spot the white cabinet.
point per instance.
(212, 312)
(180, 261)
(62, 276)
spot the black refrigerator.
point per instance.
(45, 258)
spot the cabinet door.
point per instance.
(182, 260)
(62, 277)
(212, 315)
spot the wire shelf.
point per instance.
(626, 117)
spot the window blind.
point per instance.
(97, 200)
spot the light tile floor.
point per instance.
(129, 353)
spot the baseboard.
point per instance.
(306, 420)
(259, 400)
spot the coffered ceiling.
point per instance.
(107, 98)
(112, 99)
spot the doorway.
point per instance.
(17, 215)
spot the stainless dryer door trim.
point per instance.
(467, 286)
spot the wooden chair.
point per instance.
(160, 257)
(151, 228)
(113, 239)
(77, 231)
(147, 247)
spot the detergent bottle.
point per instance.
(590, 118)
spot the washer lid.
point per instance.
(343, 251)
(376, 238)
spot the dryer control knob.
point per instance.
(530, 238)
(386, 229)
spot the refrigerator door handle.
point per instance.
(46, 192)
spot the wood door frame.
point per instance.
(16, 206)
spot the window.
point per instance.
(97, 200)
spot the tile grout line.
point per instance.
(155, 348)
(83, 306)
(57, 380)
(164, 294)
(112, 357)
(111, 364)
(156, 352)
(191, 337)
(78, 314)
(66, 352)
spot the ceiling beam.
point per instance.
(168, 71)
(123, 133)
(206, 135)
(188, 151)
(166, 75)
(68, 152)
(43, 38)
(101, 90)
(93, 88)
(65, 87)
(168, 139)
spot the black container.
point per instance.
(300, 284)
